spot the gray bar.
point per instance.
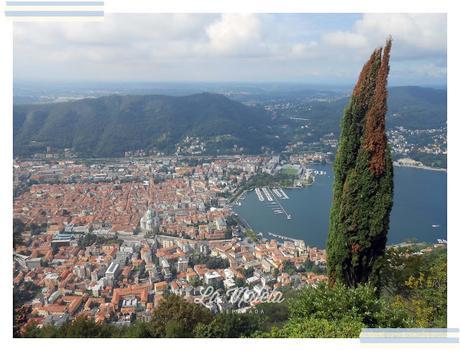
(410, 340)
(54, 13)
(55, 3)
(409, 330)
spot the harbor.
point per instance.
(418, 211)
(272, 198)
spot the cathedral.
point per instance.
(149, 221)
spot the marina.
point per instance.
(273, 197)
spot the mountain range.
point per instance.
(110, 125)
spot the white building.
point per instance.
(149, 221)
(182, 264)
(112, 272)
(211, 277)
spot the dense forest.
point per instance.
(109, 126)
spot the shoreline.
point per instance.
(427, 168)
(283, 237)
(280, 238)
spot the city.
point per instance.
(108, 240)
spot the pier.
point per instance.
(280, 193)
(272, 196)
(281, 208)
(284, 194)
(259, 194)
(281, 237)
(267, 194)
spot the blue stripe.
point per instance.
(54, 13)
(410, 340)
(55, 3)
(409, 330)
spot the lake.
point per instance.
(419, 209)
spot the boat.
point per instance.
(435, 225)
(289, 216)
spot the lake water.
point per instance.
(420, 201)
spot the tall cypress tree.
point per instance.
(363, 185)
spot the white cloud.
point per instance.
(422, 31)
(413, 34)
(347, 40)
(303, 50)
(235, 34)
(249, 46)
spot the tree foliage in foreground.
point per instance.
(414, 295)
(338, 311)
(177, 318)
(418, 284)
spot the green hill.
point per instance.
(409, 107)
(109, 126)
(417, 108)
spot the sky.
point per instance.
(301, 48)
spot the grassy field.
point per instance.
(290, 171)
